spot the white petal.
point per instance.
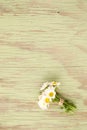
(40, 97)
(44, 86)
(42, 105)
(58, 83)
(49, 89)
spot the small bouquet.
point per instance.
(49, 93)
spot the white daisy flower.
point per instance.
(50, 92)
(54, 83)
(44, 102)
(42, 105)
(44, 85)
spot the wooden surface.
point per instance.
(38, 39)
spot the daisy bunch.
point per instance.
(49, 94)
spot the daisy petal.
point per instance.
(44, 86)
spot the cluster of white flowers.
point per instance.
(48, 93)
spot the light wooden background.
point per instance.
(38, 39)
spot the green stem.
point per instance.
(68, 105)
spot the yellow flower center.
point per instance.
(54, 83)
(47, 100)
(51, 94)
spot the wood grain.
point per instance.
(38, 39)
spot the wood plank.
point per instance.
(39, 41)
